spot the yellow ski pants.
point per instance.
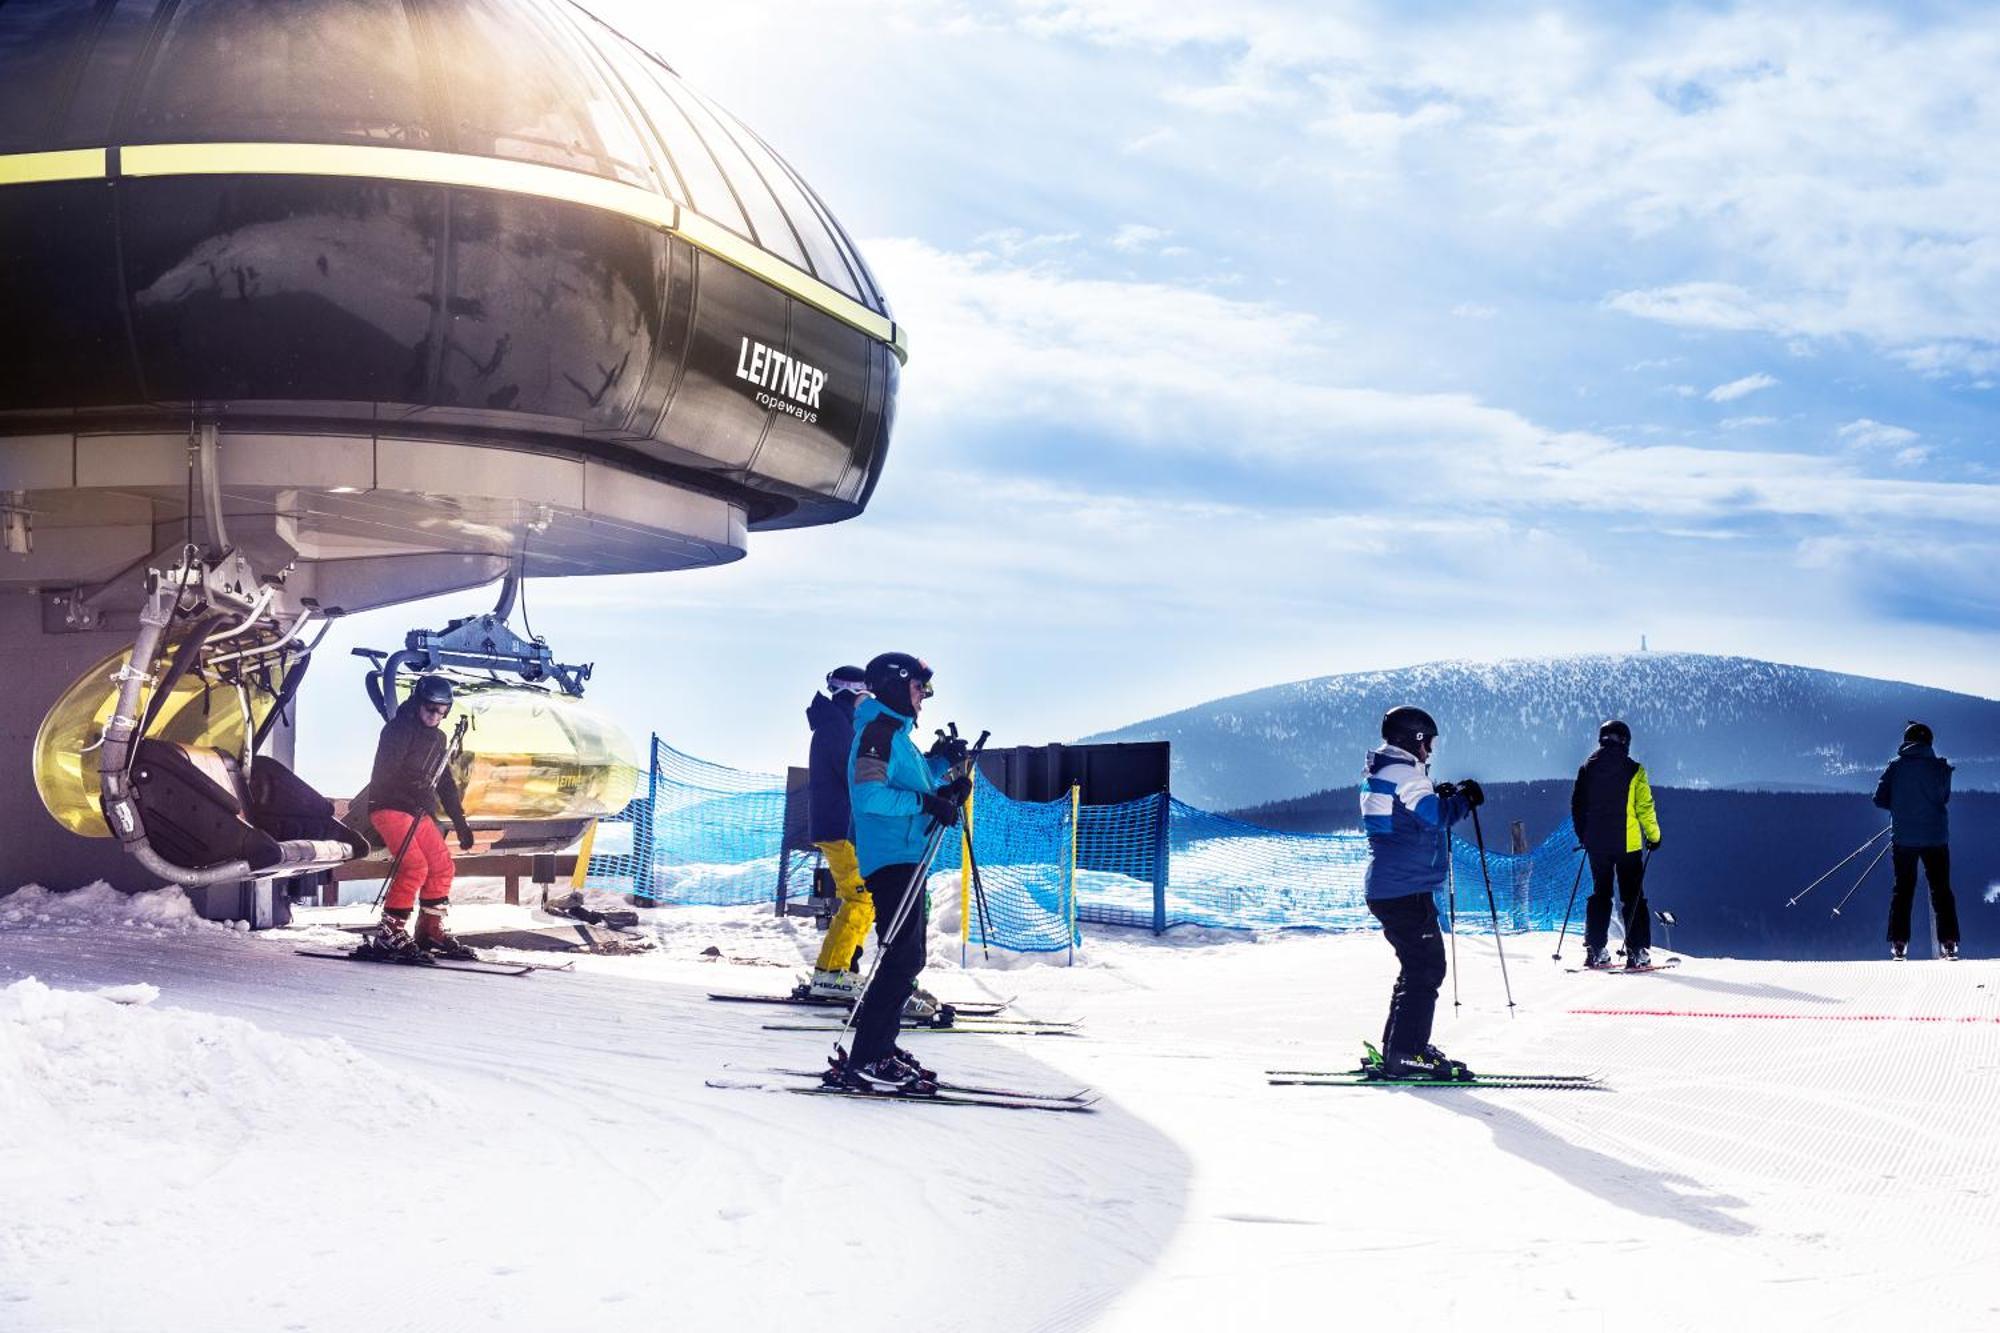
(855, 916)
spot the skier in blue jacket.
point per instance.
(1408, 822)
(898, 795)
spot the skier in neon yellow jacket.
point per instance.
(1612, 808)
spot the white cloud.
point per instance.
(1870, 434)
(1743, 388)
(1190, 373)
(1837, 160)
(1134, 237)
(1747, 423)
(1473, 310)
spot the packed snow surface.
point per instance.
(206, 1131)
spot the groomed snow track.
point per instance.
(275, 1143)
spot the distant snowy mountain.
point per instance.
(1698, 721)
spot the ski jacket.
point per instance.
(887, 778)
(1408, 825)
(829, 818)
(410, 773)
(1914, 790)
(1612, 804)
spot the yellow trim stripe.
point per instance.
(372, 162)
(726, 245)
(397, 164)
(75, 164)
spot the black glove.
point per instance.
(464, 835)
(1474, 794)
(952, 749)
(943, 811)
(956, 790)
(1653, 843)
(1445, 791)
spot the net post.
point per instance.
(1069, 885)
(965, 878)
(1161, 841)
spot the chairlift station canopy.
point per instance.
(447, 275)
(373, 300)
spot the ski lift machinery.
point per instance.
(184, 792)
(535, 765)
(550, 342)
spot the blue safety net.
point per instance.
(702, 834)
(1145, 864)
(707, 834)
(1022, 850)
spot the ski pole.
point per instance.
(1451, 903)
(1793, 901)
(903, 909)
(1864, 875)
(1493, 909)
(1581, 861)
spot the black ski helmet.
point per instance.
(887, 675)
(432, 690)
(846, 680)
(1615, 732)
(1408, 727)
(1917, 734)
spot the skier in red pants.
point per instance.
(410, 781)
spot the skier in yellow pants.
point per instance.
(830, 825)
(836, 972)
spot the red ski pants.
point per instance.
(426, 869)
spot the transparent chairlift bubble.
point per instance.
(197, 713)
(531, 754)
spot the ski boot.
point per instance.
(887, 1075)
(1638, 958)
(1596, 960)
(434, 939)
(1899, 951)
(831, 985)
(911, 1063)
(922, 1007)
(1428, 1064)
(1948, 950)
(390, 941)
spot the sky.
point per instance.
(1260, 341)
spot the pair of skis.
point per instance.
(802, 997)
(1370, 1075)
(948, 1093)
(1650, 967)
(477, 966)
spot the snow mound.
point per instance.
(87, 1076)
(99, 905)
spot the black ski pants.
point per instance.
(1937, 869)
(1629, 869)
(901, 959)
(1410, 924)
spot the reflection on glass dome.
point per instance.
(530, 754)
(196, 713)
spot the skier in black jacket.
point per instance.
(410, 781)
(1612, 808)
(1914, 790)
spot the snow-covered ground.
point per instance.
(205, 1131)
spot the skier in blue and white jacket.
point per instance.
(1408, 820)
(899, 795)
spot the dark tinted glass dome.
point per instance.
(408, 225)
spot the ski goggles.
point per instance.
(834, 686)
